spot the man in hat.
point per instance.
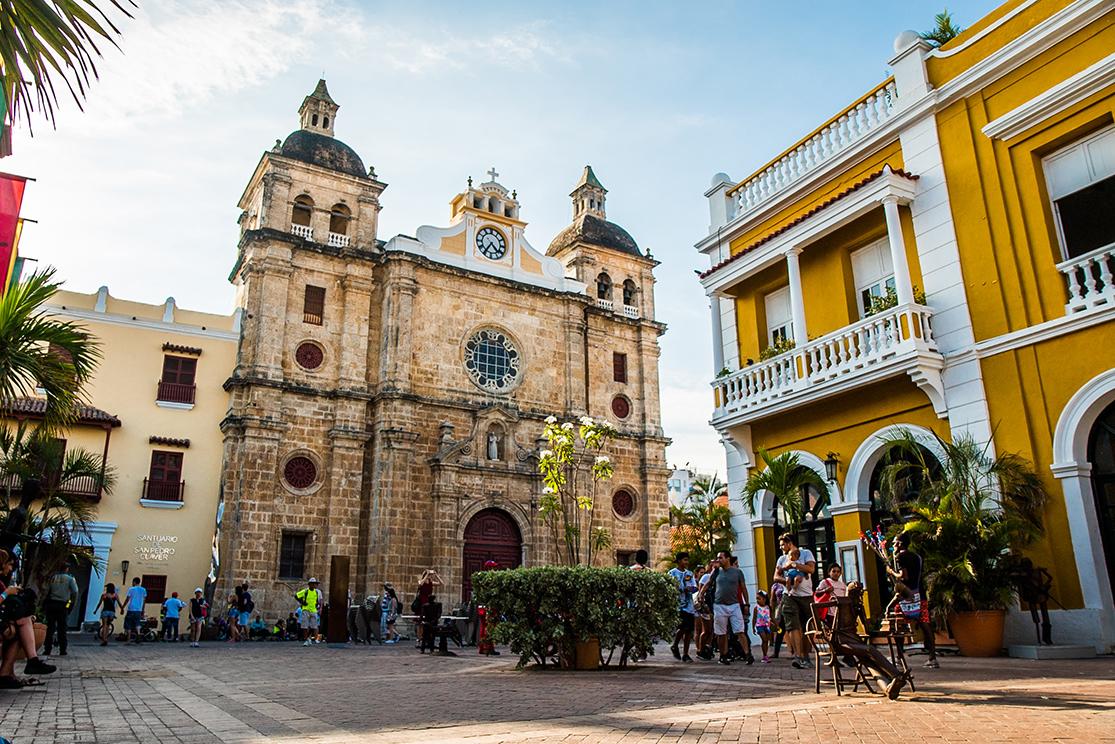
(310, 600)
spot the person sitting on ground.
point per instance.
(278, 633)
(849, 641)
(292, 629)
(257, 628)
(16, 632)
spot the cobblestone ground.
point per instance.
(282, 692)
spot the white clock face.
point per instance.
(491, 243)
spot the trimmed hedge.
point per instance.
(540, 612)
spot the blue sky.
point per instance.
(139, 191)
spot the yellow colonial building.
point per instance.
(977, 186)
(156, 405)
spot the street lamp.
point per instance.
(830, 467)
(124, 567)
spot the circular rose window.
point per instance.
(620, 407)
(309, 356)
(623, 504)
(300, 472)
(491, 360)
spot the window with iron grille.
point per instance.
(619, 367)
(313, 305)
(164, 483)
(155, 584)
(292, 556)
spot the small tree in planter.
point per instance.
(572, 468)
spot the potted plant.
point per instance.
(970, 516)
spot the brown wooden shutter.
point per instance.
(619, 366)
(313, 307)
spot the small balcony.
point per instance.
(1091, 284)
(630, 311)
(174, 392)
(163, 491)
(86, 487)
(891, 343)
(337, 240)
(605, 304)
(302, 231)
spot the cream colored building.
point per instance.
(161, 379)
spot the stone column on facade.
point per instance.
(400, 290)
(275, 202)
(367, 220)
(357, 288)
(392, 506)
(797, 298)
(573, 329)
(342, 522)
(902, 283)
(270, 336)
(738, 460)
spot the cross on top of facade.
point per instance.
(493, 174)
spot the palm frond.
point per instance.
(785, 478)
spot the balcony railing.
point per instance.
(853, 124)
(894, 338)
(87, 486)
(605, 304)
(163, 490)
(630, 311)
(1090, 280)
(173, 392)
(302, 231)
(337, 240)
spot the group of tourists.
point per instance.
(715, 610)
(136, 624)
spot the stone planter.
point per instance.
(586, 654)
(979, 633)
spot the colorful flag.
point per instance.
(11, 199)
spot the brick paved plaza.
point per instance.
(286, 693)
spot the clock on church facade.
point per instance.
(389, 396)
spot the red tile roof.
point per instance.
(802, 218)
(36, 407)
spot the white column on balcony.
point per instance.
(902, 283)
(717, 334)
(797, 299)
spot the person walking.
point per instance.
(310, 602)
(389, 613)
(199, 609)
(107, 605)
(760, 621)
(796, 603)
(727, 613)
(915, 606)
(233, 614)
(246, 607)
(426, 584)
(133, 604)
(705, 592)
(173, 609)
(686, 611)
(58, 597)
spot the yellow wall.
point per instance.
(126, 385)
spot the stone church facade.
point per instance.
(389, 397)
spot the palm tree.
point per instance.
(944, 32)
(786, 479)
(41, 352)
(701, 526)
(43, 38)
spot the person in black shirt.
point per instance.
(911, 596)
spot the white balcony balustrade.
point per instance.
(859, 119)
(896, 341)
(337, 240)
(1090, 280)
(302, 231)
(630, 311)
(605, 304)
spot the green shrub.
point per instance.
(540, 612)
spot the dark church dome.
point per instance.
(327, 152)
(594, 231)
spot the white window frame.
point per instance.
(882, 276)
(785, 324)
(1092, 167)
(853, 548)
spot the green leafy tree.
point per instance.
(944, 32)
(572, 469)
(700, 526)
(969, 518)
(39, 351)
(786, 479)
(42, 41)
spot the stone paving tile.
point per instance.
(285, 693)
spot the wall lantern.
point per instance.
(830, 467)
(124, 568)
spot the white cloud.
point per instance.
(434, 50)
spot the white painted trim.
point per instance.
(1036, 334)
(867, 456)
(99, 537)
(156, 504)
(145, 324)
(171, 406)
(1070, 438)
(1053, 101)
(860, 562)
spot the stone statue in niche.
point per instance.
(493, 446)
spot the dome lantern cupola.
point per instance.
(319, 111)
(588, 196)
